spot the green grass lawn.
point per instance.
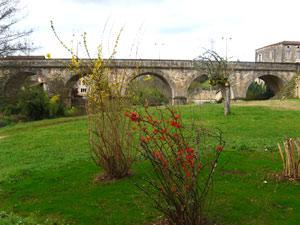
(46, 172)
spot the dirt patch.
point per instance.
(165, 222)
(104, 178)
(160, 222)
(281, 177)
(276, 104)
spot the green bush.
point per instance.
(4, 120)
(149, 89)
(11, 109)
(258, 91)
(11, 119)
(56, 106)
(73, 111)
(150, 95)
(34, 103)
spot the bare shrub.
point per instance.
(290, 156)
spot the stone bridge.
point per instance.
(177, 74)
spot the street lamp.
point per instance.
(159, 45)
(226, 44)
(78, 43)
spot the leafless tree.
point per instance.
(12, 41)
(218, 71)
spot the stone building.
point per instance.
(282, 52)
(81, 88)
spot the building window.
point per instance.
(288, 53)
(272, 55)
(259, 57)
(83, 90)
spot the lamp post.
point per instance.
(77, 43)
(226, 44)
(159, 45)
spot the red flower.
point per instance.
(157, 154)
(175, 135)
(187, 173)
(190, 150)
(177, 116)
(180, 152)
(175, 124)
(164, 130)
(219, 148)
(162, 138)
(134, 116)
(189, 157)
(155, 131)
(145, 139)
(191, 162)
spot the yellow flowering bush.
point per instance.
(110, 137)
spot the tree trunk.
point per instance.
(226, 96)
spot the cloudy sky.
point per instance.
(166, 29)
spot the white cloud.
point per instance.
(180, 28)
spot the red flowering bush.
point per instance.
(177, 155)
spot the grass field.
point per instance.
(46, 172)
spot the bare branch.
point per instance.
(12, 41)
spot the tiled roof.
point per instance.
(282, 43)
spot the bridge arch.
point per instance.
(193, 77)
(75, 91)
(196, 77)
(198, 88)
(273, 82)
(164, 85)
(17, 80)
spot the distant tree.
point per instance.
(12, 41)
(218, 71)
(149, 90)
(33, 102)
(259, 91)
